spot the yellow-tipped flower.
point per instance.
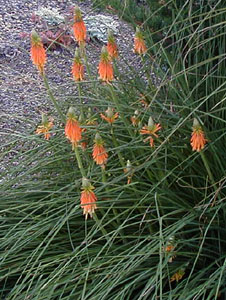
(88, 198)
(198, 140)
(38, 53)
(45, 127)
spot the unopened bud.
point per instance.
(195, 122)
(98, 137)
(44, 118)
(71, 112)
(85, 182)
(109, 112)
(150, 122)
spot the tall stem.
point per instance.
(208, 169)
(116, 146)
(79, 161)
(118, 108)
(53, 99)
(80, 98)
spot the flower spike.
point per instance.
(100, 155)
(112, 46)
(139, 43)
(72, 129)
(88, 198)
(77, 69)
(198, 140)
(79, 26)
(105, 68)
(38, 52)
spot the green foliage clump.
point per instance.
(159, 228)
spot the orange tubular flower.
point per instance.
(77, 69)
(38, 53)
(151, 130)
(79, 26)
(105, 66)
(45, 127)
(100, 155)
(112, 46)
(72, 129)
(88, 198)
(198, 140)
(139, 43)
(110, 117)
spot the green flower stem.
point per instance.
(116, 146)
(52, 98)
(103, 175)
(126, 122)
(80, 98)
(79, 161)
(104, 232)
(115, 212)
(205, 162)
(86, 62)
(147, 71)
(83, 175)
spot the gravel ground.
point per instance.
(22, 95)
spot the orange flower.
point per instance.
(139, 43)
(77, 69)
(79, 26)
(72, 129)
(110, 116)
(198, 140)
(88, 198)
(105, 66)
(45, 127)
(150, 129)
(169, 248)
(134, 119)
(38, 53)
(100, 155)
(112, 46)
(177, 276)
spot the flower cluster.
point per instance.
(74, 123)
